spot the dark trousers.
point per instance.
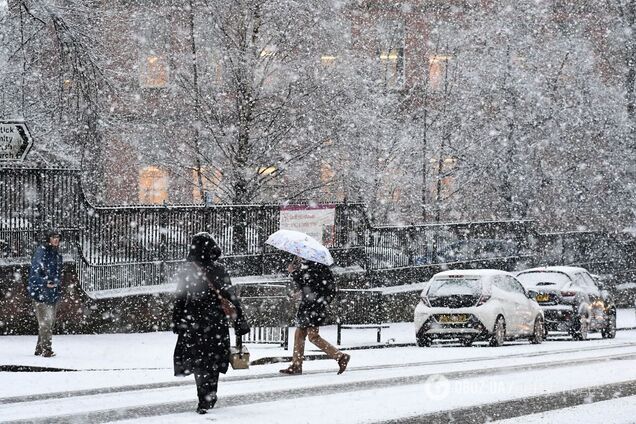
(207, 383)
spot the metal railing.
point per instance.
(120, 247)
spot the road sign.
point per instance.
(15, 140)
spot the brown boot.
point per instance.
(343, 361)
(48, 354)
(292, 370)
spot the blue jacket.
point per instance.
(46, 267)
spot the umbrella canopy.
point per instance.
(300, 244)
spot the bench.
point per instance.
(359, 309)
(378, 327)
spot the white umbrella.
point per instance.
(300, 244)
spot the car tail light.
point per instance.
(483, 299)
(568, 293)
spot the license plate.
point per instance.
(543, 297)
(449, 319)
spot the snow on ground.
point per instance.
(615, 411)
(626, 318)
(116, 360)
(401, 401)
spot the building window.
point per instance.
(154, 72)
(327, 173)
(437, 66)
(327, 60)
(154, 46)
(153, 186)
(393, 67)
(391, 42)
(445, 171)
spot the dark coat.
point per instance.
(203, 330)
(317, 286)
(46, 267)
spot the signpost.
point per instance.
(15, 140)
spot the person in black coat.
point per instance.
(316, 289)
(203, 343)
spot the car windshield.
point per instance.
(455, 286)
(543, 278)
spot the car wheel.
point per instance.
(609, 332)
(499, 332)
(424, 341)
(580, 329)
(538, 335)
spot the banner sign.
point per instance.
(316, 221)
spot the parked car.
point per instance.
(571, 300)
(480, 304)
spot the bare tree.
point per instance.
(54, 77)
(261, 111)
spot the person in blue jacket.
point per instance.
(45, 280)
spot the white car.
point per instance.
(479, 304)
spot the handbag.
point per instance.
(239, 355)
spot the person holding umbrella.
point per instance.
(316, 289)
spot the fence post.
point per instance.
(261, 237)
(410, 238)
(163, 241)
(39, 208)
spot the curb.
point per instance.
(31, 368)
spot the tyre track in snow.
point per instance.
(158, 409)
(168, 384)
(514, 408)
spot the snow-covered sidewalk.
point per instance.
(106, 360)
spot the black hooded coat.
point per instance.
(317, 286)
(203, 341)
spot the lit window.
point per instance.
(326, 172)
(154, 72)
(268, 51)
(436, 69)
(153, 186)
(393, 66)
(327, 60)
(266, 170)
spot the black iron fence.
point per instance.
(121, 247)
(425, 245)
(128, 247)
(32, 200)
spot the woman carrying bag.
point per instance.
(199, 319)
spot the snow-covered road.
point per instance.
(381, 385)
(129, 377)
